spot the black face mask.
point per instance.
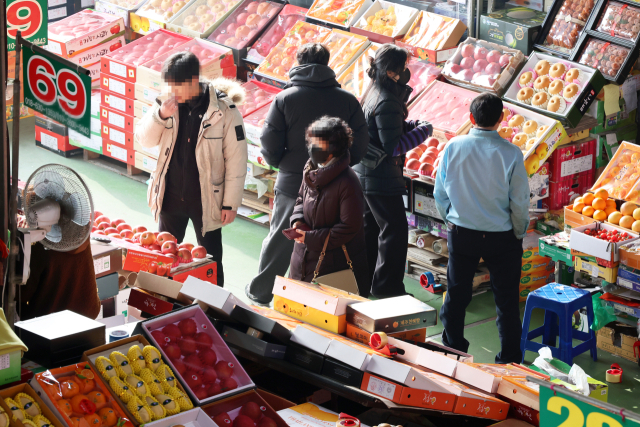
(404, 77)
(318, 156)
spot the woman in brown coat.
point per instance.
(330, 203)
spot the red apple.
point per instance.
(455, 68)
(147, 238)
(479, 65)
(179, 365)
(172, 350)
(493, 56)
(467, 75)
(184, 255)
(222, 419)
(169, 247)
(127, 234)
(201, 393)
(492, 68)
(475, 77)
(209, 374)
(155, 247)
(467, 63)
(208, 356)
(123, 226)
(193, 362)
(136, 237)
(224, 369)
(103, 218)
(172, 332)
(192, 379)
(251, 410)
(187, 246)
(199, 252)
(213, 390)
(100, 232)
(204, 341)
(159, 337)
(117, 222)
(266, 422)
(188, 327)
(165, 237)
(480, 53)
(94, 229)
(504, 60)
(229, 384)
(139, 229)
(111, 230)
(96, 215)
(103, 226)
(431, 142)
(467, 50)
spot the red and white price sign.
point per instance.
(30, 17)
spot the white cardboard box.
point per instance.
(433, 360)
(596, 247)
(403, 374)
(211, 296)
(193, 418)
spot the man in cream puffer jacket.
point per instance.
(202, 161)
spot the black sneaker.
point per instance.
(255, 300)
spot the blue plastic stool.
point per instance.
(563, 301)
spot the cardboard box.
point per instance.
(556, 253)
(146, 94)
(607, 273)
(405, 16)
(26, 388)
(516, 28)
(539, 184)
(362, 336)
(51, 125)
(140, 108)
(617, 343)
(117, 86)
(115, 118)
(112, 135)
(193, 417)
(563, 193)
(161, 286)
(538, 266)
(92, 144)
(177, 24)
(119, 103)
(11, 369)
(392, 314)
(92, 56)
(260, 345)
(487, 376)
(231, 405)
(436, 357)
(221, 301)
(522, 391)
(307, 359)
(311, 315)
(148, 303)
(258, 321)
(574, 159)
(69, 45)
(147, 18)
(444, 49)
(115, 151)
(628, 279)
(352, 16)
(105, 6)
(145, 162)
(153, 153)
(54, 142)
(596, 247)
(107, 259)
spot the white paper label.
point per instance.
(116, 120)
(102, 265)
(5, 361)
(612, 139)
(49, 141)
(149, 164)
(117, 86)
(624, 308)
(54, 47)
(117, 103)
(426, 206)
(118, 69)
(150, 95)
(625, 283)
(118, 153)
(57, 13)
(594, 270)
(572, 167)
(253, 133)
(54, 3)
(117, 136)
(381, 388)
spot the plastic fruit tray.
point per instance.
(202, 17)
(244, 25)
(162, 11)
(258, 95)
(355, 78)
(283, 56)
(387, 19)
(422, 74)
(124, 61)
(198, 355)
(60, 388)
(564, 25)
(620, 20)
(82, 31)
(244, 410)
(445, 106)
(608, 58)
(287, 18)
(254, 122)
(344, 48)
(338, 12)
(481, 64)
(433, 31)
(621, 177)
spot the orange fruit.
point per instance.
(599, 204)
(79, 422)
(602, 193)
(53, 391)
(98, 398)
(627, 208)
(588, 198)
(65, 406)
(588, 211)
(626, 222)
(611, 202)
(108, 417)
(577, 207)
(615, 217)
(599, 215)
(69, 389)
(636, 214)
(609, 210)
(578, 200)
(77, 405)
(85, 384)
(93, 420)
(636, 226)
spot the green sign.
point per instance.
(56, 89)
(565, 411)
(30, 17)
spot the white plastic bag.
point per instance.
(576, 376)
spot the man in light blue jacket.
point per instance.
(482, 192)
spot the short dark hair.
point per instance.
(313, 53)
(486, 109)
(333, 130)
(181, 67)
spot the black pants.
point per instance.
(386, 234)
(174, 218)
(502, 253)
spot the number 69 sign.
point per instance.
(56, 90)
(30, 17)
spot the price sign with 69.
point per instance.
(57, 91)
(30, 17)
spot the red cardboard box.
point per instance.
(117, 152)
(114, 118)
(563, 193)
(148, 303)
(53, 141)
(207, 272)
(117, 86)
(118, 102)
(567, 161)
(114, 136)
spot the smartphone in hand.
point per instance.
(291, 233)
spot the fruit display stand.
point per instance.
(384, 21)
(228, 377)
(341, 15)
(575, 99)
(58, 388)
(30, 407)
(258, 95)
(482, 65)
(563, 26)
(355, 79)
(155, 14)
(344, 48)
(433, 37)
(202, 17)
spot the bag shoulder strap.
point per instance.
(323, 253)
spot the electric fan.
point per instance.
(59, 211)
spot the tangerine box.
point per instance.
(117, 152)
(433, 37)
(344, 47)
(621, 176)
(362, 336)
(371, 22)
(441, 359)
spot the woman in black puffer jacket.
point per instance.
(385, 222)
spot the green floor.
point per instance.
(121, 197)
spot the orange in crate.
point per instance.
(340, 12)
(621, 177)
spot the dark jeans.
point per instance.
(386, 234)
(502, 253)
(174, 218)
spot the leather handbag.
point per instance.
(344, 280)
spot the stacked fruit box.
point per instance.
(93, 143)
(536, 270)
(85, 37)
(120, 89)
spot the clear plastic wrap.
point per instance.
(127, 4)
(422, 74)
(245, 23)
(388, 19)
(622, 172)
(430, 31)
(605, 57)
(620, 20)
(355, 79)
(205, 51)
(203, 14)
(337, 11)
(161, 10)
(258, 117)
(568, 25)
(146, 48)
(258, 95)
(287, 18)
(283, 56)
(80, 24)
(343, 47)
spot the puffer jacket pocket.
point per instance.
(216, 200)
